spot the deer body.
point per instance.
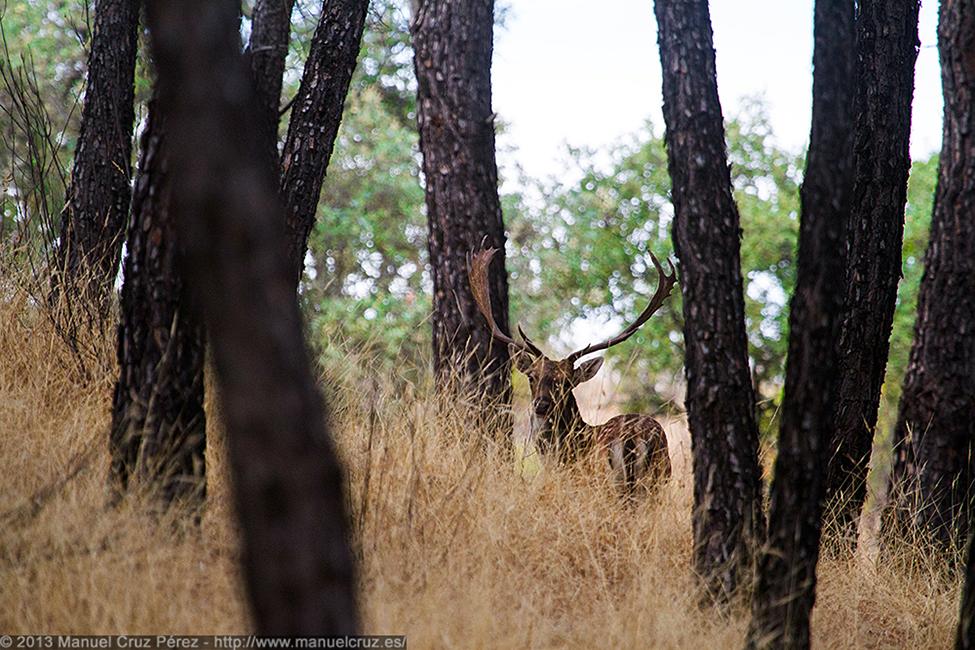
(637, 449)
(636, 445)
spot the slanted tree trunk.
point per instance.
(728, 519)
(158, 424)
(288, 482)
(886, 50)
(937, 409)
(452, 49)
(315, 119)
(787, 567)
(94, 223)
(266, 52)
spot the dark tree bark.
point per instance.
(965, 637)
(266, 52)
(937, 409)
(315, 119)
(886, 50)
(158, 423)
(728, 519)
(92, 232)
(787, 567)
(453, 44)
(288, 482)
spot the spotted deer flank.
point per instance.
(635, 445)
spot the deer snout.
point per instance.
(542, 406)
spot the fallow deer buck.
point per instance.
(636, 444)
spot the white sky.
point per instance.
(587, 74)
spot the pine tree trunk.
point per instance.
(728, 519)
(453, 44)
(937, 409)
(98, 197)
(158, 423)
(787, 567)
(267, 51)
(886, 50)
(288, 482)
(315, 119)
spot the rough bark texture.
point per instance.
(787, 568)
(298, 566)
(887, 47)
(98, 197)
(266, 53)
(453, 44)
(728, 519)
(936, 425)
(315, 119)
(965, 637)
(158, 423)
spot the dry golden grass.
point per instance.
(457, 548)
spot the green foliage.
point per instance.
(584, 253)
(37, 122)
(43, 64)
(51, 37)
(766, 180)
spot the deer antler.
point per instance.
(477, 272)
(528, 342)
(664, 287)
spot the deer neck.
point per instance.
(568, 424)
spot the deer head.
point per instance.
(555, 414)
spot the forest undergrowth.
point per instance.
(459, 544)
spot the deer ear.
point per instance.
(587, 370)
(522, 360)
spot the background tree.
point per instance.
(728, 520)
(287, 479)
(99, 192)
(267, 51)
(886, 50)
(315, 118)
(936, 427)
(786, 588)
(920, 206)
(158, 422)
(54, 37)
(453, 43)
